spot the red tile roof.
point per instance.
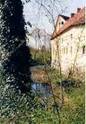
(77, 19)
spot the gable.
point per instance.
(60, 23)
(77, 19)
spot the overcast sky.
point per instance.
(32, 14)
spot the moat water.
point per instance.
(43, 89)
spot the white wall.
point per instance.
(70, 41)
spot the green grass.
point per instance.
(72, 112)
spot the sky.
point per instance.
(38, 18)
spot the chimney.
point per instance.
(72, 14)
(78, 10)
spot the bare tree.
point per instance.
(51, 9)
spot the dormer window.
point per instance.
(62, 22)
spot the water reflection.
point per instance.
(43, 89)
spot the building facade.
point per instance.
(68, 43)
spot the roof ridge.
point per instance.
(63, 15)
(71, 22)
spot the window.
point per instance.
(66, 50)
(59, 24)
(62, 22)
(71, 49)
(62, 40)
(83, 49)
(71, 36)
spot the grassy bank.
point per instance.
(42, 110)
(72, 111)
